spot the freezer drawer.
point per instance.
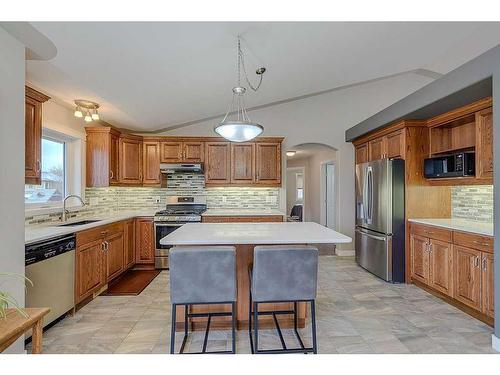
(374, 253)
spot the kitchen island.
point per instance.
(245, 236)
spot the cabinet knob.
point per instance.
(484, 264)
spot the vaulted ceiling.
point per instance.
(150, 76)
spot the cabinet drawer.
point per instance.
(432, 232)
(100, 232)
(474, 241)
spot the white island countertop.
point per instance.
(242, 212)
(462, 225)
(253, 233)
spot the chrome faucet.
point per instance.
(65, 211)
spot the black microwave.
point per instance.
(460, 164)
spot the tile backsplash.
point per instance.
(472, 202)
(114, 199)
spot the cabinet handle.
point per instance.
(102, 246)
(111, 174)
(106, 245)
(476, 262)
(430, 248)
(484, 264)
(38, 165)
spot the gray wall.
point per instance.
(12, 165)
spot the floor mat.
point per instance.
(131, 283)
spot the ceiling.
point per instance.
(157, 75)
(307, 150)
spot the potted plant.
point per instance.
(6, 299)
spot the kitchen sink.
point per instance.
(77, 223)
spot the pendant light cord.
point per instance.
(241, 60)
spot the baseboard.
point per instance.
(344, 252)
(495, 343)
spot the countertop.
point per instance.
(253, 233)
(462, 225)
(242, 212)
(42, 232)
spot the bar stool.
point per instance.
(283, 274)
(202, 275)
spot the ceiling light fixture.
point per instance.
(90, 109)
(240, 129)
(291, 153)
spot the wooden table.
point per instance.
(15, 325)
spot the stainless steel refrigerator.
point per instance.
(380, 218)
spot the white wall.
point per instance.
(12, 55)
(324, 119)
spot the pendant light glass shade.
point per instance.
(78, 112)
(240, 128)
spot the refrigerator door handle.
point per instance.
(369, 179)
(365, 196)
(379, 238)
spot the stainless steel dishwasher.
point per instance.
(50, 265)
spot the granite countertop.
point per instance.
(37, 233)
(242, 212)
(461, 225)
(253, 233)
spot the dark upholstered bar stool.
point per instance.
(283, 274)
(202, 275)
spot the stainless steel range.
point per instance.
(179, 211)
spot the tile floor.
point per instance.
(356, 313)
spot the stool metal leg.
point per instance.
(313, 324)
(172, 333)
(233, 317)
(256, 324)
(186, 328)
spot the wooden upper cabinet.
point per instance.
(487, 285)
(441, 270)
(151, 163)
(130, 159)
(171, 152)
(467, 276)
(377, 149)
(268, 163)
(484, 143)
(420, 258)
(102, 156)
(217, 162)
(33, 135)
(193, 152)
(361, 153)
(129, 243)
(114, 247)
(395, 144)
(242, 162)
(144, 241)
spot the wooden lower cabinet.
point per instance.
(129, 243)
(487, 285)
(114, 247)
(144, 241)
(467, 272)
(441, 266)
(90, 274)
(419, 258)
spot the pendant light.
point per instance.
(240, 128)
(89, 108)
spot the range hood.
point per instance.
(181, 168)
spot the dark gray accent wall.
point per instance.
(469, 82)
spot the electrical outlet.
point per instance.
(224, 200)
(157, 199)
(94, 201)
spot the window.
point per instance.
(299, 184)
(52, 189)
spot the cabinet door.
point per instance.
(151, 163)
(144, 241)
(171, 152)
(487, 285)
(395, 144)
(268, 163)
(130, 161)
(114, 160)
(362, 153)
(484, 143)
(217, 162)
(242, 162)
(129, 239)
(467, 276)
(376, 149)
(193, 152)
(441, 266)
(419, 258)
(114, 255)
(33, 141)
(90, 275)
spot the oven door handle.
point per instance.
(167, 225)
